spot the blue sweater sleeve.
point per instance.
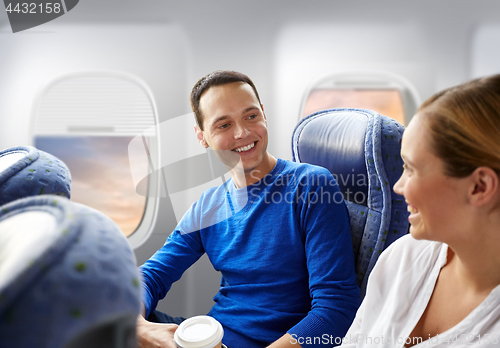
(183, 248)
(167, 265)
(330, 262)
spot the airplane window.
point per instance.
(386, 93)
(385, 102)
(100, 175)
(88, 120)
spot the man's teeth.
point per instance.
(412, 210)
(245, 148)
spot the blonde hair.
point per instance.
(464, 125)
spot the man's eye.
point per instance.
(252, 117)
(223, 126)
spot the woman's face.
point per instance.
(436, 202)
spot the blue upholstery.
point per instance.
(72, 292)
(362, 150)
(36, 173)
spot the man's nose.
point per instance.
(241, 131)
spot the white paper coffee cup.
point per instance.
(199, 332)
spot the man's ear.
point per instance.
(485, 186)
(263, 113)
(199, 136)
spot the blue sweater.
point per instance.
(284, 250)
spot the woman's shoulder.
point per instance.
(405, 262)
(408, 254)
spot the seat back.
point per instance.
(26, 171)
(362, 150)
(68, 277)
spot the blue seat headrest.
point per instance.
(335, 141)
(26, 171)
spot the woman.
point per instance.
(439, 286)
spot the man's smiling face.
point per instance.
(234, 120)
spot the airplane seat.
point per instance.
(362, 150)
(68, 277)
(26, 171)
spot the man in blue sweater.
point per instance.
(279, 234)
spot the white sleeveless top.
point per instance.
(399, 289)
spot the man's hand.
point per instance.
(154, 335)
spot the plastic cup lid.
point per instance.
(199, 332)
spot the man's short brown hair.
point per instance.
(217, 78)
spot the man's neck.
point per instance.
(256, 174)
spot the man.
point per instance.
(285, 255)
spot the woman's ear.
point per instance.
(485, 189)
(199, 136)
